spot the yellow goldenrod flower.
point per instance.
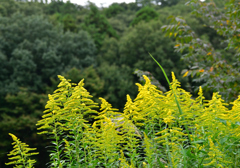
(169, 119)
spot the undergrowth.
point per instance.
(154, 130)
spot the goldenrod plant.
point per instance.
(154, 130)
(20, 154)
(67, 111)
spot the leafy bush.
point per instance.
(154, 129)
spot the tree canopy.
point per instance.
(145, 14)
(32, 45)
(98, 26)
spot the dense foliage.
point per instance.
(206, 63)
(145, 14)
(97, 25)
(109, 47)
(32, 45)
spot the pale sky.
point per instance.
(100, 3)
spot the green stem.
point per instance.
(21, 151)
(57, 145)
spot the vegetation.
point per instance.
(109, 47)
(145, 14)
(154, 130)
(20, 153)
(205, 62)
(97, 25)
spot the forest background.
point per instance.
(106, 46)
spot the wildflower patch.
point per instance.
(150, 132)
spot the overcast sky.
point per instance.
(99, 3)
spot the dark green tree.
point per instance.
(145, 38)
(132, 6)
(31, 45)
(145, 14)
(69, 23)
(109, 52)
(122, 21)
(98, 26)
(113, 10)
(8, 7)
(119, 79)
(62, 7)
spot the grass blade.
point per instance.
(179, 107)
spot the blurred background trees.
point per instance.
(208, 62)
(145, 14)
(42, 39)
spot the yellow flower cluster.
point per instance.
(21, 153)
(172, 129)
